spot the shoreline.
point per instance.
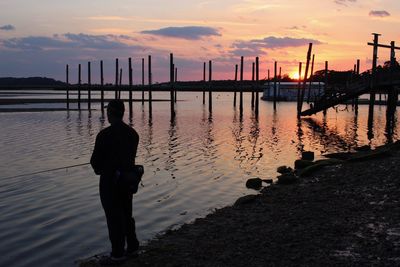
(341, 214)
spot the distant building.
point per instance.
(287, 91)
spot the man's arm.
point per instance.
(96, 159)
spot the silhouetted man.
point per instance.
(115, 152)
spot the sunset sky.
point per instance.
(39, 37)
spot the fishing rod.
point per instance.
(50, 170)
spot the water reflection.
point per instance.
(330, 139)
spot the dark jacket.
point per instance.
(115, 149)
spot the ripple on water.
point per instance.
(192, 166)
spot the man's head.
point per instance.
(115, 110)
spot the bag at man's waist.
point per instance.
(128, 181)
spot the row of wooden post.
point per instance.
(173, 80)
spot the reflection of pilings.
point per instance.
(329, 138)
(299, 134)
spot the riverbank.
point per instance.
(346, 214)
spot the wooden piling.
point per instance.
(116, 78)
(120, 83)
(204, 83)
(150, 82)
(252, 85)
(305, 77)
(326, 83)
(130, 86)
(358, 75)
(241, 87)
(89, 85)
(373, 80)
(275, 80)
(392, 92)
(171, 80)
(176, 80)
(299, 90)
(102, 86)
(235, 86)
(257, 86)
(142, 81)
(209, 86)
(79, 85)
(279, 82)
(67, 82)
(311, 79)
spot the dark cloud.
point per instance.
(379, 13)
(344, 2)
(7, 28)
(257, 46)
(188, 32)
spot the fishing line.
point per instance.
(50, 170)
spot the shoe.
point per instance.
(111, 261)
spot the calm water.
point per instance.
(194, 165)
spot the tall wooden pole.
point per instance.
(257, 85)
(120, 83)
(116, 78)
(67, 82)
(142, 81)
(311, 79)
(235, 87)
(204, 81)
(241, 87)
(150, 82)
(275, 80)
(392, 93)
(176, 80)
(299, 91)
(89, 84)
(305, 77)
(252, 85)
(326, 83)
(171, 80)
(279, 82)
(373, 81)
(79, 85)
(356, 99)
(102, 86)
(209, 86)
(130, 86)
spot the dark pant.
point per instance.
(121, 225)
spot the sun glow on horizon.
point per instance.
(294, 75)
